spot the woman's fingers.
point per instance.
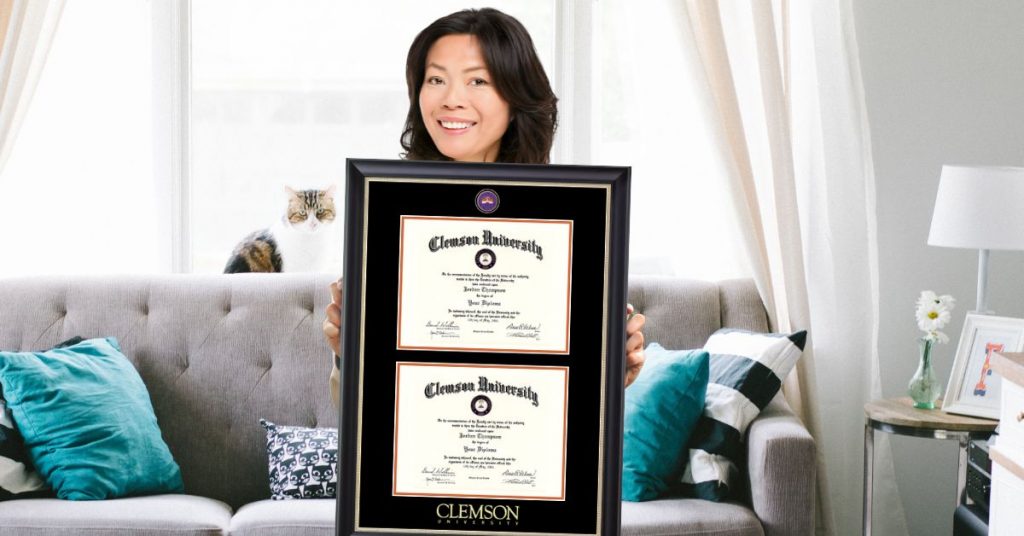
(634, 345)
(332, 324)
(336, 292)
(634, 326)
(332, 333)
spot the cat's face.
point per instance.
(310, 210)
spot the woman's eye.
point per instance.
(434, 80)
(479, 82)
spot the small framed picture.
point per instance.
(974, 389)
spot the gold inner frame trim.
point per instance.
(362, 338)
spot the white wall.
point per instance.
(944, 82)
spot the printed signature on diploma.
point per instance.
(519, 476)
(438, 475)
(523, 330)
(446, 329)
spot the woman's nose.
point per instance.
(453, 97)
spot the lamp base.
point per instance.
(982, 282)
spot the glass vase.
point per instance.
(924, 388)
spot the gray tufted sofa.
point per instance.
(218, 353)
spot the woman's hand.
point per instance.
(332, 324)
(634, 344)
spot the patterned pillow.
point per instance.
(302, 461)
(18, 478)
(747, 370)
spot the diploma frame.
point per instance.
(596, 199)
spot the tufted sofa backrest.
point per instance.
(683, 313)
(218, 353)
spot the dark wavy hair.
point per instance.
(517, 74)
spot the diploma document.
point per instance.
(471, 284)
(482, 358)
(495, 431)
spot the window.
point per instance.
(77, 194)
(651, 116)
(282, 95)
(162, 133)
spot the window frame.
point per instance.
(172, 143)
(172, 89)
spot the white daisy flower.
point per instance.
(927, 297)
(932, 318)
(933, 313)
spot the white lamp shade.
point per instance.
(979, 208)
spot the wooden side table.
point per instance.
(898, 416)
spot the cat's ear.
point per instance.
(330, 191)
(288, 190)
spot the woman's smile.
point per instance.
(455, 126)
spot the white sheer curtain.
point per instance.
(653, 113)
(786, 84)
(26, 31)
(745, 122)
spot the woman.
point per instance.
(478, 93)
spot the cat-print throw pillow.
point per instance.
(302, 462)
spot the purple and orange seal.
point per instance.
(487, 201)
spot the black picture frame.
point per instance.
(378, 194)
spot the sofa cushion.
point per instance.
(301, 461)
(285, 518)
(87, 421)
(747, 370)
(665, 517)
(661, 410)
(168, 515)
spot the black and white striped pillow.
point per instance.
(17, 477)
(747, 370)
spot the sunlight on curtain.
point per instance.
(788, 77)
(651, 115)
(26, 33)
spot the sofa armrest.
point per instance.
(781, 459)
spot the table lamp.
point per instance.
(979, 207)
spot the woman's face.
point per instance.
(461, 108)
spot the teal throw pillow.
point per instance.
(87, 421)
(662, 408)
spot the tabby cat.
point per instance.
(301, 241)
